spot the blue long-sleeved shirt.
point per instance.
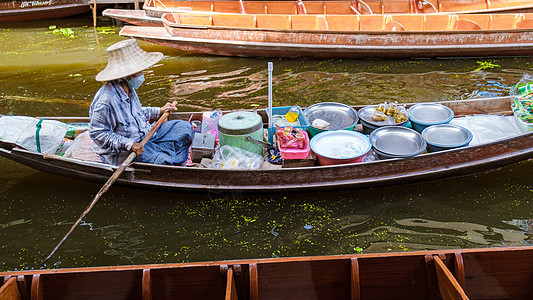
(117, 121)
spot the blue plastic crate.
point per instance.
(304, 123)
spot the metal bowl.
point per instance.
(338, 115)
(369, 125)
(397, 141)
(446, 136)
(423, 115)
(340, 147)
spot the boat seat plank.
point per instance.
(466, 25)
(525, 24)
(308, 22)
(194, 19)
(449, 288)
(281, 7)
(226, 7)
(337, 8)
(146, 285)
(438, 22)
(203, 282)
(342, 23)
(372, 22)
(396, 7)
(314, 7)
(409, 22)
(274, 22)
(458, 6)
(482, 21)
(239, 21)
(10, 290)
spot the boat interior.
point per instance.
(493, 273)
(355, 7)
(372, 23)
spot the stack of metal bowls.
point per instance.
(396, 142)
(339, 116)
(446, 136)
(369, 125)
(423, 115)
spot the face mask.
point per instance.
(135, 82)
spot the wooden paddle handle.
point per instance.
(110, 181)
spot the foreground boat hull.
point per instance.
(432, 166)
(490, 273)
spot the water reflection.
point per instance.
(42, 73)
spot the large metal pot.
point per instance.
(243, 130)
(338, 115)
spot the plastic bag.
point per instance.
(522, 94)
(228, 157)
(290, 137)
(82, 148)
(24, 132)
(210, 121)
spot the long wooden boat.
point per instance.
(18, 11)
(486, 273)
(156, 8)
(320, 36)
(431, 166)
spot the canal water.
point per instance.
(48, 69)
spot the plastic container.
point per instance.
(340, 147)
(445, 136)
(524, 127)
(242, 130)
(293, 153)
(423, 115)
(282, 111)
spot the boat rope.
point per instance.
(37, 141)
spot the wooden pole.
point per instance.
(110, 181)
(94, 13)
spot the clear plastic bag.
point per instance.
(228, 157)
(522, 94)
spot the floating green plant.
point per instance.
(486, 65)
(68, 32)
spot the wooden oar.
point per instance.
(110, 181)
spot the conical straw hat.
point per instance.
(127, 58)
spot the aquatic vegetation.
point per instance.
(68, 32)
(483, 65)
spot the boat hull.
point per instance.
(432, 166)
(278, 43)
(10, 13)
(484, 273)
(135, 17)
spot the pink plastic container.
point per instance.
(292, 153)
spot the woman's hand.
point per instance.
(169, 107)
(137, 148)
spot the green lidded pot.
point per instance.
(235, 127)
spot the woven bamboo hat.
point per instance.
(127, 58)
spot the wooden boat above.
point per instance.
(327, 36)
(486, 273)
(18, 11)
(424, 167)
(157, 8)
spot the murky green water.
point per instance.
(49, 71)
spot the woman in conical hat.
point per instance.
(119, 122)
